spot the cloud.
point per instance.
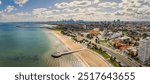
(21, 2)
(23, 14)
(90, 10)
(93, 1)
(108, 5)
(0, 2)
(130, 3)
(9, 9)
(91, 16)
(82, 3)
(55, 11)
(4, 14)
(144, 10)
(44, 12)
(96, 1)
(134, 9)
(76, 10)
(39, 10)
(79, 10)
(7, 17)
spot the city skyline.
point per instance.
(88, 10)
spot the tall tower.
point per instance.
(144, 50)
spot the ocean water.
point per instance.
(31, 47)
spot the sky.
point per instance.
(88, 10)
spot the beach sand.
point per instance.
(88, 57)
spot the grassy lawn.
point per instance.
(57, 30)
(115, 63)
(103, 41)
(106, 56)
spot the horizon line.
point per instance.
(80, 20)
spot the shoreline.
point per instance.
(78, 59)
(87, 57)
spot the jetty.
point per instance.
(59, 54)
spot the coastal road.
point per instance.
(122, 58)
(126, 60)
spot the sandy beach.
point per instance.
(88, 57)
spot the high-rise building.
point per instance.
(144, 50)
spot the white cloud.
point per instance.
(119, 13)
(39, 11)
(5, 17)
(22, 14)
(67, 10)
(21, 2)
(55, 11)
(95, 10)
(48, 12)
(93, 1)
(9, 9)
(96, 1)
(144, 10)
(131, 3)
(126, 10)
(79, 10)
(134, 9)
(0, 2)
(146, 0)
(108, 5)
(9, 16)
(91, 16)
(82, 3)
(4, 14)
(44, 12)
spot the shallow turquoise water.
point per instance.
(30, 47)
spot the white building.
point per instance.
(116, 35)
(144, 50)
(104, 32)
